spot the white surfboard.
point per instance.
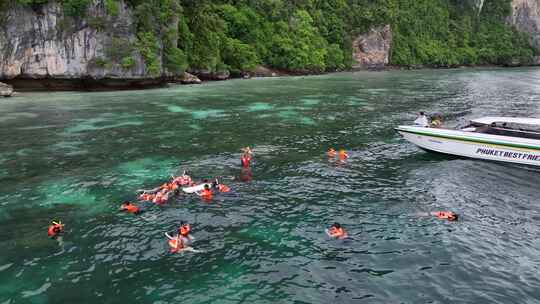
(195, 188)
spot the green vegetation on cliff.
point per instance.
(314, 35)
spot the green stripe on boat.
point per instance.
(479, 141)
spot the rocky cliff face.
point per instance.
(526, 18)
(43, 43)
(372, 50)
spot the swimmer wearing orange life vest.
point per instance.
(336, 231)
(130, 208)
(55, 229)
(220, 187)
(175, 243)
(182, 240)
(445, 215)
(342, 155)
(183, 180)
(331, 153)
(206, 193)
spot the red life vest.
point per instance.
(185, 229)
(54, 230)
(175, 244)
(245, 160)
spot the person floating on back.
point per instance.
(130, 208)
(422, 120)
(182, 240)
(336, 231)
(55, 229)
(445, 215)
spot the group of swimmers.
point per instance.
(182, 240)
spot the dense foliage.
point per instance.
(314, 35)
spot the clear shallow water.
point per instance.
(77, 156)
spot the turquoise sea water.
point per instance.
(77, 156)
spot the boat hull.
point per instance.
(480, 147)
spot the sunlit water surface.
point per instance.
(77, 156)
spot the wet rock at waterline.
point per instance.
(211, 75)
(5, 90)
(188, 78)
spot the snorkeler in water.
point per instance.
(331, 153)
(55, 229)
(182, 240)
(445, 215)
(336, 231)
(130, 208)
(206, 193)
(342, 155)
(183, 180)
(216, 185)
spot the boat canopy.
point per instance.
(511, 120)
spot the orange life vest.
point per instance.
(206, 194)
(336, 232)
(175, 244)
(185, 229)
(130, 208)
(223, 188)
(445, 215)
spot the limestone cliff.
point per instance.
(526, 18)
(372, 50)
(43, 43)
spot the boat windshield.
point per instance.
(505, 129)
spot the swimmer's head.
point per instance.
(336, 225)
(453, 216)
(206, 187)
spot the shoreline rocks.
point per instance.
(188, 78)
(6, 90)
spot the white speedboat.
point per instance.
(507, 139)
